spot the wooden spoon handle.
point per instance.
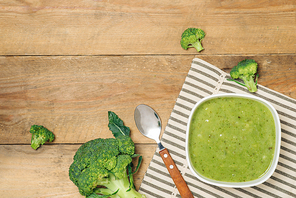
(175, 174)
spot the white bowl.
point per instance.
(273, 165)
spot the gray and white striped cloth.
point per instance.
(204, 79)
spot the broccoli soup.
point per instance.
(231, 139)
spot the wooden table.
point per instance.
(65, 64)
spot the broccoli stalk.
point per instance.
(40, 135)
(101, 168)
(249, 83)
(245, 70)
(119, 186)
(103, 193)
(192, 37)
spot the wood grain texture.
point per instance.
(103, 27)
(44, 172)
(72, 95)
(65, 64)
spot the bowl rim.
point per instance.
(274, 163)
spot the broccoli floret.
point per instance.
(40, 135)
(246, 70)
(192, 37)
(101, 167)
(119, 170)
(99, 163)
(126, 145)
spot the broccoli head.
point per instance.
(246, 70)
(101, 168)
(192, 37)
(40, 135)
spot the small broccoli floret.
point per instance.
(88, 179)
(40, 135)
(126, 145)
(192, 37)
(120, 169)
(102, 167)
(246, 70)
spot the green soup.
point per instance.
(231, 139)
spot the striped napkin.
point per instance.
(204, 79)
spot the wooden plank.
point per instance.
(44, 173)
(145, 27)
(72, 95)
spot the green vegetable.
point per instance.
(246, 70)
(116, 125)
(103, 167)
(192, 37)
(40, 135)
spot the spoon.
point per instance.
(149, 124)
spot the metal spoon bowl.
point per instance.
(149, 124)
